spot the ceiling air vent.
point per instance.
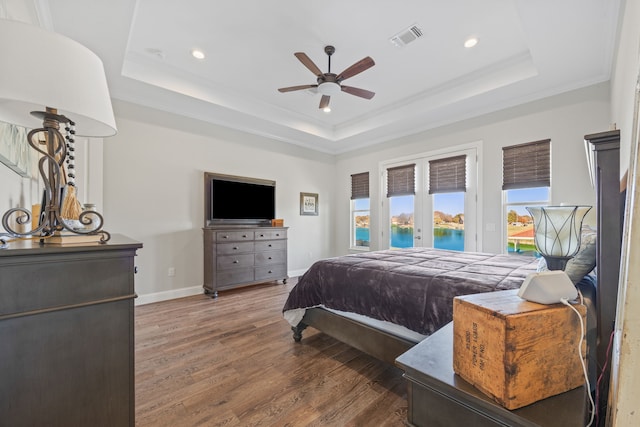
(406, 36)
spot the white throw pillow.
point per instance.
(584, 261)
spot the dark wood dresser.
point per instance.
(241, 256)
(440, 398)
(67, 334)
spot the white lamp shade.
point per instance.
(558, 229)
(42, 69)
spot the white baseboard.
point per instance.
(167, 295)
(297, 273)
(186, 292)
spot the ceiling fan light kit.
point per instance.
(329, 88)
(329, 84)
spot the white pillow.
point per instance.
(584, 261)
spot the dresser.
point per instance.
(241, 256)
(67, 334)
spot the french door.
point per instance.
(424, 218)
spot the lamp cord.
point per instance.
(584, 366)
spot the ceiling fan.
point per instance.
(330, 83)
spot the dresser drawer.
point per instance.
(270, 257)
(235, 248)
(271, 272)
(235, 261)
(270, 245)
(269, 234)
(233, 236)
(233, 276)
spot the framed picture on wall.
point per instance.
(308, 204)
(15, 151)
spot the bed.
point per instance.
(384, 302)
(371, 334)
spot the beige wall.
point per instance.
(153, 192)
(153, 169)
(565, 119)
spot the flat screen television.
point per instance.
(238, 200)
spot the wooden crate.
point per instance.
(516, 351)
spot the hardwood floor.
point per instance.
(233, 362)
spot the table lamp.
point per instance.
(557, 232)
(52, 78)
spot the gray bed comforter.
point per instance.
(410, 287)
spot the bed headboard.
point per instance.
(605, 148)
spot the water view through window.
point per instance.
(448, 222)
(401, 232)
(361, 221)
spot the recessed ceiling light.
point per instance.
(197, 53)
(470, 42)
(327, 109)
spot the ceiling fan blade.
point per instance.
(292, 88)
(362, 93)
(324, 102)
(307, 62)
(356, 68)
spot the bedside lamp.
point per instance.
(557, 231)
(55, 79)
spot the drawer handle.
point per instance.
(270, 258)
(269, 244)
(244, 236)
(277, 234)
(262, 235)
(235, 261)
(270, 272)
(235, 248)
(225, 236)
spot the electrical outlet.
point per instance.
(171, 272)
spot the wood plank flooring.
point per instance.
(232, 361)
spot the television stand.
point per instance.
(242, 256)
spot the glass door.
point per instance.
(401, 229)
(444, 219)
(448, 221)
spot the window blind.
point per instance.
(448, 175)
(360, 186)
(526, 165)
(401, 180)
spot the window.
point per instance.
(526, 181)
(429, 200)
(401, 190)
(447, 185)
(360, 210)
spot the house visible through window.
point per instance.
(360, 210)
(526, 181)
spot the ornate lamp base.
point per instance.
(556, 262)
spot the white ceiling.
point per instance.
(527, 50)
